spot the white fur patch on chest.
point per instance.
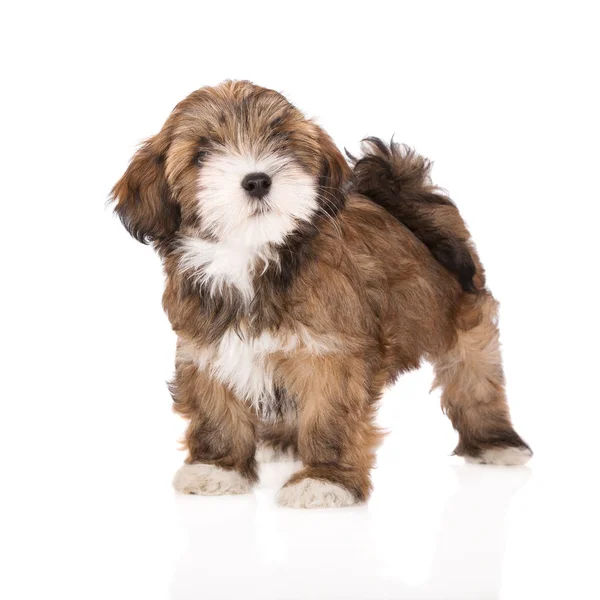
(217, 265)
(244, 364)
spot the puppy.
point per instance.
(299, 286)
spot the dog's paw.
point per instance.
(267, 453)
(502, 456)
(209, 480)
(314, 493)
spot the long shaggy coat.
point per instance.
(300, 285)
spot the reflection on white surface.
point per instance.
(246, 547)
(471, 541)
(106, 523)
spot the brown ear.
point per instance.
(335, 173)
(144, 200)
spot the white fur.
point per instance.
(312, 493)
(228, 213)
(246, 230)
(217, 265)
(209, 480)
(266, 453)
(502, 456)
(242, 362)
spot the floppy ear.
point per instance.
(144, 201)
(335, 174)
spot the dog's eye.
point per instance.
(200, 156)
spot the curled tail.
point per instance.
(397, 178)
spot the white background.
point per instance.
(504, 97)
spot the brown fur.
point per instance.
(281, 435)
(358, 279)
(398, 179)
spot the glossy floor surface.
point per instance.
(434, 528)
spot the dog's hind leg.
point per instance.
(473, 395)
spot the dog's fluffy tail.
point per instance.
(397, 178)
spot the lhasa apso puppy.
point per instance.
(300, 285)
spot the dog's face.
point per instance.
(234, 163)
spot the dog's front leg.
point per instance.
(336, 435)
(220, 438)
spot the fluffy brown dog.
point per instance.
(300, 287)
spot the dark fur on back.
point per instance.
(397, 178)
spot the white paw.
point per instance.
(209, 480)
(266, 453)
(312, 493)
(502, 456)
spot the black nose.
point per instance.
(257, 184)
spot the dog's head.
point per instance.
(235, 162)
